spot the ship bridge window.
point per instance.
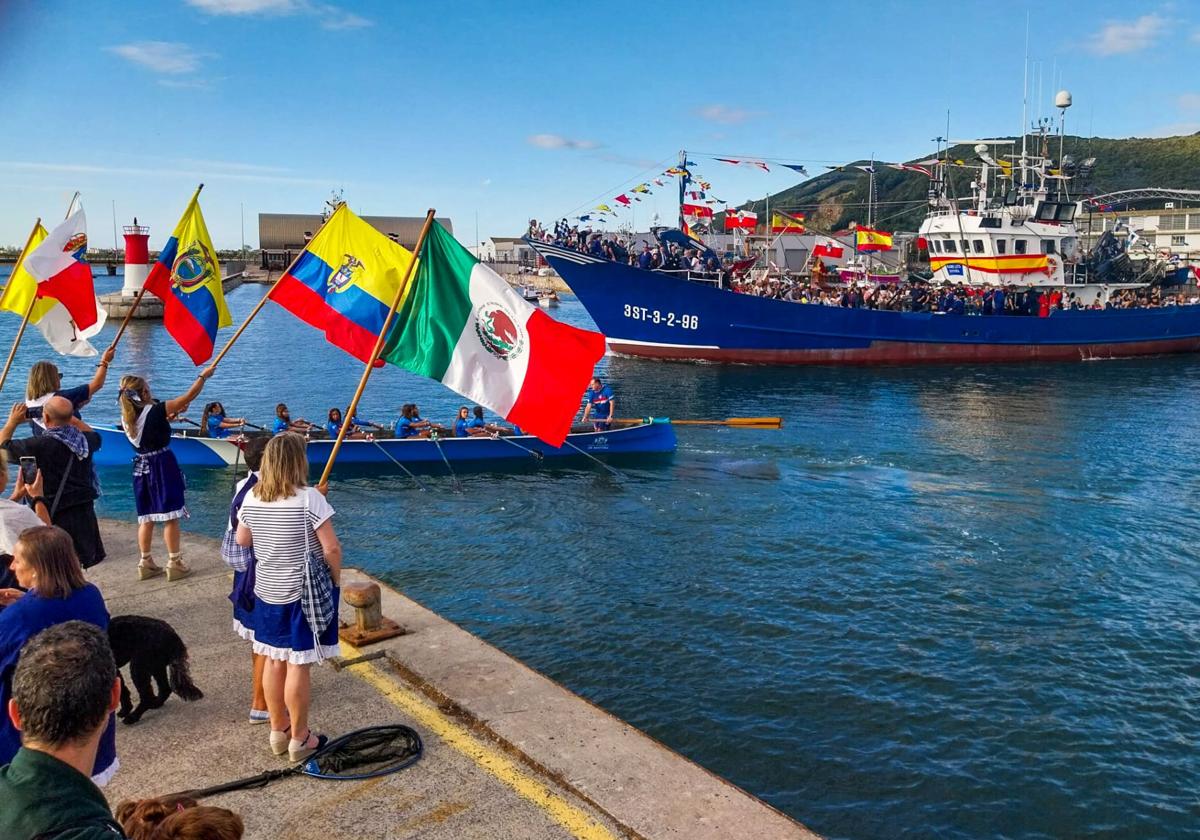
(966, 247)
(1055, 211)
(1001, 246)
(951, 248)
(978, 245)
(990, 222)
(1047, 246)
(1018, 246)
(936, 245)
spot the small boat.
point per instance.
(530, 293)
(654, 436)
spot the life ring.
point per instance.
(1051, 266)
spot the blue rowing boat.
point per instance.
(655, 436)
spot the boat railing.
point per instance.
(714, 279)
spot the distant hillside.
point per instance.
(832, 200)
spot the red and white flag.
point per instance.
(741, 220)
(828, 249)
(62, 272)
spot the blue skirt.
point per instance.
(243, 620)
(281, 632)
(158, 486)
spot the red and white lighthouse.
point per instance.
(137, 258)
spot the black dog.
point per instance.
(152, 649)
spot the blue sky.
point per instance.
(512, 111)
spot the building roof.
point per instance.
(291, 231)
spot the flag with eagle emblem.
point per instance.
(463, 325)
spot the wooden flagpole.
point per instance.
(138, 300)
(28, 310)
(348, 419)
(258, 306)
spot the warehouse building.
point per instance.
(281, 236)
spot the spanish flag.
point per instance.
(784, 223)
(869, 239)
(344, 282)
(187, 279)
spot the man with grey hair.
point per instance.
(64, 689)
(64, 455)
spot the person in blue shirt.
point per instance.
(214, 422)
(285, 423)
(477, 426)
(45, 381)
(462, 422)
(600, 404)
(410, 423)
(333, 425)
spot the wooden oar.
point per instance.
(743, 422)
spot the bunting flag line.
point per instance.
(463, 325)
(187, 279)
(675, 170)
(695, 195)
(786, 223)
(691, 233)
(868, 168)
(911, 167)
(704, 185)
(344, 282)
(698, 210)
(869, 239)
(59, 265)
(753, 164)
(603, 208)
(795, 167)
(49, 315)
(622, 199)
(642, 188)
(660, 182)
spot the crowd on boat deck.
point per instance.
(645, 255)
(955, 300)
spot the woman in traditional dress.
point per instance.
(158, 482)
(286, 521)
(45, 381)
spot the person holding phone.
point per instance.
(26, 508)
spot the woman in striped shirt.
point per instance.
(284, 520)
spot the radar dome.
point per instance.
(1062, 99)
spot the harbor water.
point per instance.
(942, 601)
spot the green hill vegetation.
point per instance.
(832, 200)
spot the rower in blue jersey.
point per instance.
(285, 423)
(478, 426)
(359, 428)
(600, 404)
(215, 423)
(410, 423)
(462, 422)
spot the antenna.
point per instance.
(1024, 97)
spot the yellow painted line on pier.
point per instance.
(571, 817)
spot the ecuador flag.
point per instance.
(464, 326)
(869, 239)
(187, 279)
(344, 282)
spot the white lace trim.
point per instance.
(182, 513)
(243, 631)
(136, 437)
(297, 657)
(105, 776)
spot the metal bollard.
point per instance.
(369, 624)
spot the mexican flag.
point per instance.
(461, 324)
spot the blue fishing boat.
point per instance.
(654, 436)
(1015, 231)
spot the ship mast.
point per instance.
(683, 182)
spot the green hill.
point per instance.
(834, 199)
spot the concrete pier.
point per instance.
(117, 304)
(508, 752)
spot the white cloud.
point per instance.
(1179, 129)
(331, 17)
(724, 114)
(1122, 37)
(168, 57)
(557, 141)
(245, 7)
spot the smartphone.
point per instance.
(29, 469)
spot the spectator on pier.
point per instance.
(599, 404)
(241, 560)
(45, 381)
(45, 564)
(289, 526)
(216, 424)
(177, 818)
(64, 691)
(64, 457)
(157, 479)
(16, 517)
